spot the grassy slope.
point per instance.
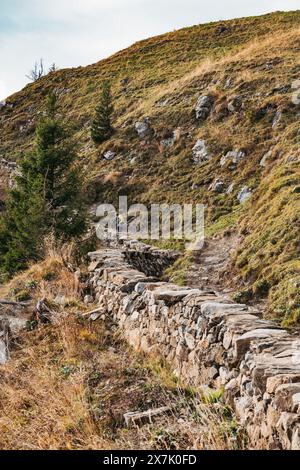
(261, 56)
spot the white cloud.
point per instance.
(78, 32)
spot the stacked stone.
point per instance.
(209, 341)
(149, 260)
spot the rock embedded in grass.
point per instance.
(3, 351)
(265, 158)
(277, 119)
(203, 107)
(235, 104)
(217, 186)
(170, 140)
(200, 152)
(88, 299)
(244, 194)
(233, 156)
(109, 155)
(143, 128)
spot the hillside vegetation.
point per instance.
(248, 138)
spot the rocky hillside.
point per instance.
(205, 114)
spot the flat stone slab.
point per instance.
(142, 417)
(274, 382)
(153, 286)
(173, 295)
(243, 342)
(212, 308)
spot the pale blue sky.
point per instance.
(80, 32)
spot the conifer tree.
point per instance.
(47, 197)
(102, 129)
(22, 228)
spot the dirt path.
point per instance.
(209, 268)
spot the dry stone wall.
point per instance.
(209, 341)
(148, 260)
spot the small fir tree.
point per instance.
(47, 198)
(102, 129)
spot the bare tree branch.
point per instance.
(37, 72)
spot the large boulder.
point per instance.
(204, 106)
(200, 152)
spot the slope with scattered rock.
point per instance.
(206, 114)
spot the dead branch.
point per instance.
(15, 304)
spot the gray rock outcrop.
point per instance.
(3, 351)
(265, 158)
(217, 186)
(234, 157)
(10, 168)
(276, 119)
(200, 152)
(203, 107)
(235, 104)
(10, 327)
(170, 140)
(143, 128)
(109, 155)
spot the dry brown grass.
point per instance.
(256, 49)
(46, 279)
(40, 409)
(68, 385)
(113, 177)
